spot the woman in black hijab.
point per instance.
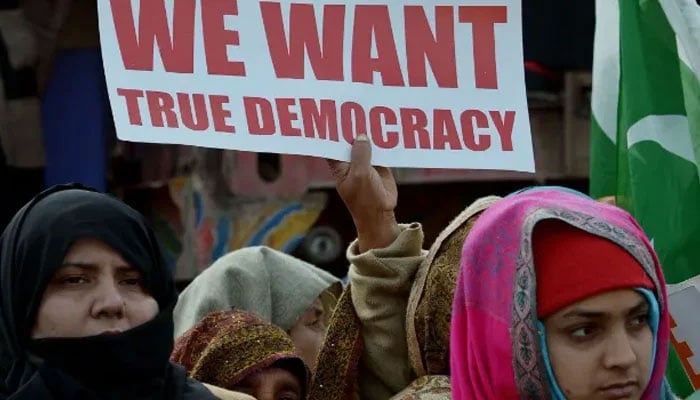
(86, 304)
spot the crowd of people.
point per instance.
(542, 294)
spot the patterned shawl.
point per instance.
(337, 365)
(228, 346)
(495, 353)
(430, 309)
(430, 302)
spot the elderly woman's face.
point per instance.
(94, 292)
(271, 384)
(309, 331)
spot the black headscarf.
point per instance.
(131, 365)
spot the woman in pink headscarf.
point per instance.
(559, 297)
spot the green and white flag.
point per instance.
(645, 135)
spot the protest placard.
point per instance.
(437, 84)
(683, 301)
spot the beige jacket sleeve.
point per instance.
(381, 281)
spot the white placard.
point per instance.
(684, 300)
(432, 83)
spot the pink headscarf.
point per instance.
(494, 350)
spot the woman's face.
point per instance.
(94, 292)
(309, 331)
(271, 384)
(601, 347)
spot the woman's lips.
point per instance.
(619, 391)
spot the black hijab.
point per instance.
(131, 365)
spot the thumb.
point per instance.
(361, 154)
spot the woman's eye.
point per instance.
(583, 332)
(132, 282)
(316, 324)
(640, 320)
(74, 280)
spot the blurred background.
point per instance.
(205, 203)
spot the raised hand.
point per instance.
(369, 193)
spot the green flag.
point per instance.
(645, 131)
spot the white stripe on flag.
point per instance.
(606, 66)
(684, 17)
(671, 132)
(682, 54)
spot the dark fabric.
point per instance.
(132, 365)
(559, 34)
(9, 4)
(17, 83)
(66, 387)
(25, 183)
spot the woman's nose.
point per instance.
(619, 352)
(108, 302)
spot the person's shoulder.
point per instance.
(225, 394)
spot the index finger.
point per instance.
(338, 168)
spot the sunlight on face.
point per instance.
(94, 292)
(600, 348)
(309, 331)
